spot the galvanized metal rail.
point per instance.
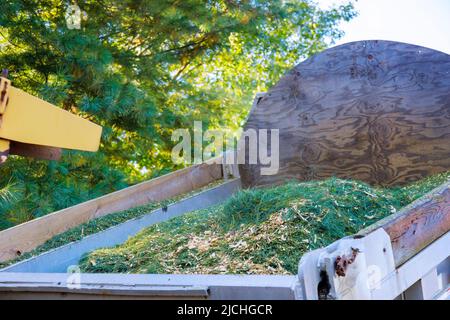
(425, 276)
(139, 286)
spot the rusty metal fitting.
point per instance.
(341, 263)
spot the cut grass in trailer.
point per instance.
(258, 231)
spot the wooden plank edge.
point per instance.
(417, 225)
(27, 236)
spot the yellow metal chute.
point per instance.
(36, 128)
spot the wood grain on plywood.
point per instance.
(376, 111)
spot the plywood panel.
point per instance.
(377, 111)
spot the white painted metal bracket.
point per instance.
(350, 268)
(364, 268)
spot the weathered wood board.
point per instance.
(417, 225)
(377, 111)
(27, 236)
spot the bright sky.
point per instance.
(421, 22)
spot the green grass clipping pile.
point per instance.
(258, 231)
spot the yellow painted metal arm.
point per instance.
(30, 120)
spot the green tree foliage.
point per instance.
(142, 68)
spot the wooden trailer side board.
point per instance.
(27, 236)
(417, 225)
(376, 111)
